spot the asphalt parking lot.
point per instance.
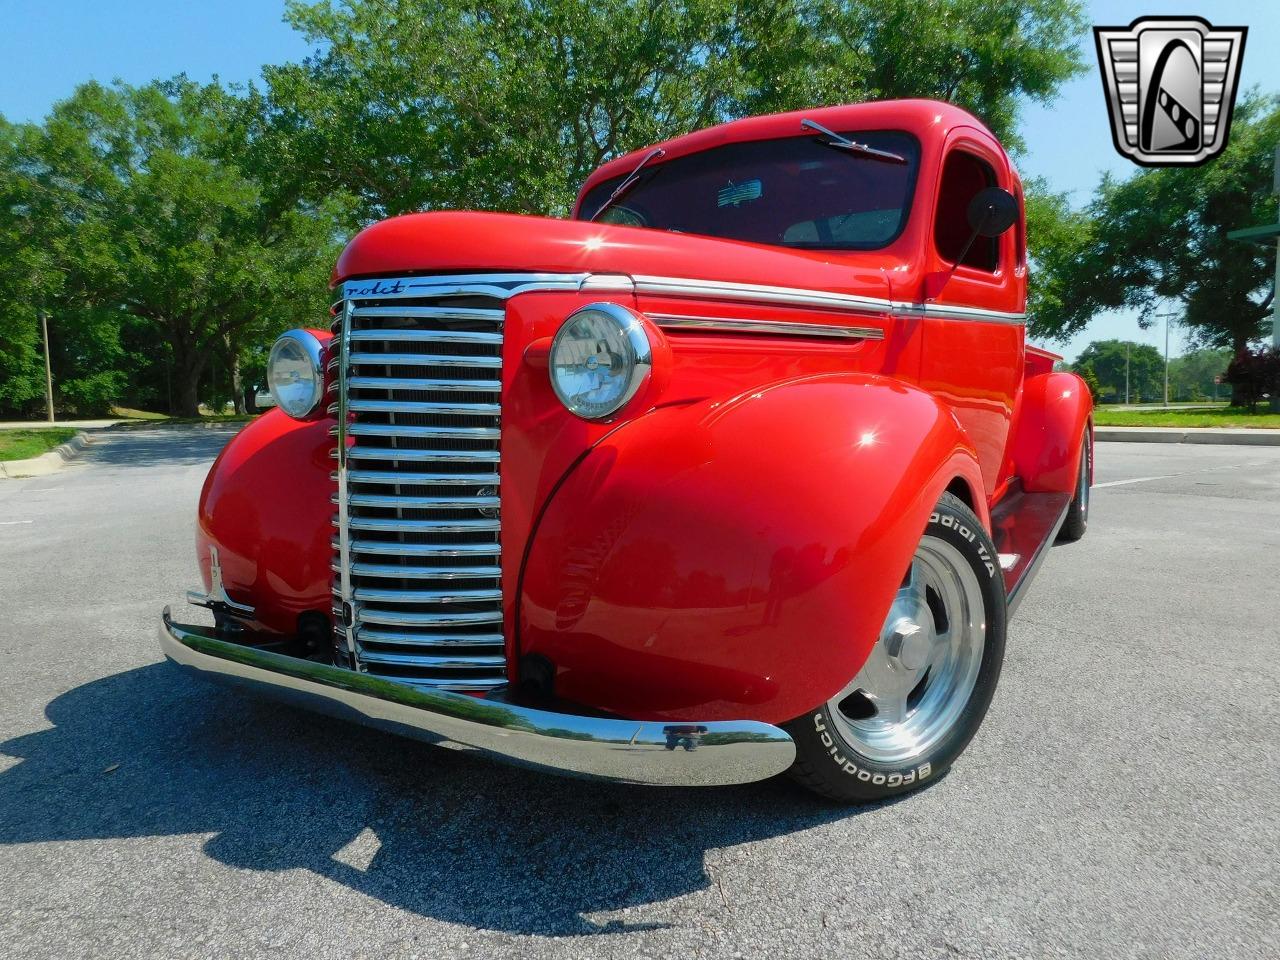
(1120, 801)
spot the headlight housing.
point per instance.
(600, 358)
(295, 374)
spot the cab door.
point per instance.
(971, 360)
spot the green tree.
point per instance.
(161, 252)
(171, 230)
(1055, 235)
(26, 258)
(1091, 381)
(1107, 358)
(1160, 238)
(510, 104)
(1191, 376)
(988, 56)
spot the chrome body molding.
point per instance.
(688, 753)
(821, 299)
(505, 285)
(942, 311)
(782, 328)
(757, 293)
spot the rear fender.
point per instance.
(737, 559)
(1055, 411)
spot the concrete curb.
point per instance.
(46, 463)
(1222, 435)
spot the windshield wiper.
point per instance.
(630, 181)
(833, 139)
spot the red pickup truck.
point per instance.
(741, 469)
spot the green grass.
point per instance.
(24, 444)
(148, 418)
(1213, 417)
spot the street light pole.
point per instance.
(1166, 360)
(1126, 373)
(1167, 315)
(48, 368)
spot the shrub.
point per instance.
(1255, 375)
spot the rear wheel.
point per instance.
(1077, 520)
(926, 685)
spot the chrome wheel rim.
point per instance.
(924, 665)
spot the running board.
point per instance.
(1024, 526)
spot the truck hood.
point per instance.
(457, 242)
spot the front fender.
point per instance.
(739, 558)
(266, 506)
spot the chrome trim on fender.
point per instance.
(782, 328)
(710, 753)
(217, 599)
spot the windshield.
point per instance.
(796, 192)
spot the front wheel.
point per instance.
(926, 685)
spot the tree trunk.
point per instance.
(237, 388)
(188, 364)
(1239, 398)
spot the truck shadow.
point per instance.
(152, 752)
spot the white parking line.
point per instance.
(1120, 483)
(1189, 473)
(11, 523)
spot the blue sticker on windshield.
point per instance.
(737, 194)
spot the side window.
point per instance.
(1020, 236)
(963, 175)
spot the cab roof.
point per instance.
(928, 120)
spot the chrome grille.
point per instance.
(417, 586)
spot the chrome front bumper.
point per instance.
(712, 753)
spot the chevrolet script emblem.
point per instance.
(1170, 84)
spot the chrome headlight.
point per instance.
(294, 373)
(600, 357)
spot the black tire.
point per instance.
(1077, 521)
(829, 763)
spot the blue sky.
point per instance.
(48, 46)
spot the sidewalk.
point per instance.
(1224, 435)
(72, 424)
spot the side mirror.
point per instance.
(991, 212)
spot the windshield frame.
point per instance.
(597, 196)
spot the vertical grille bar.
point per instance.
(345, 595)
